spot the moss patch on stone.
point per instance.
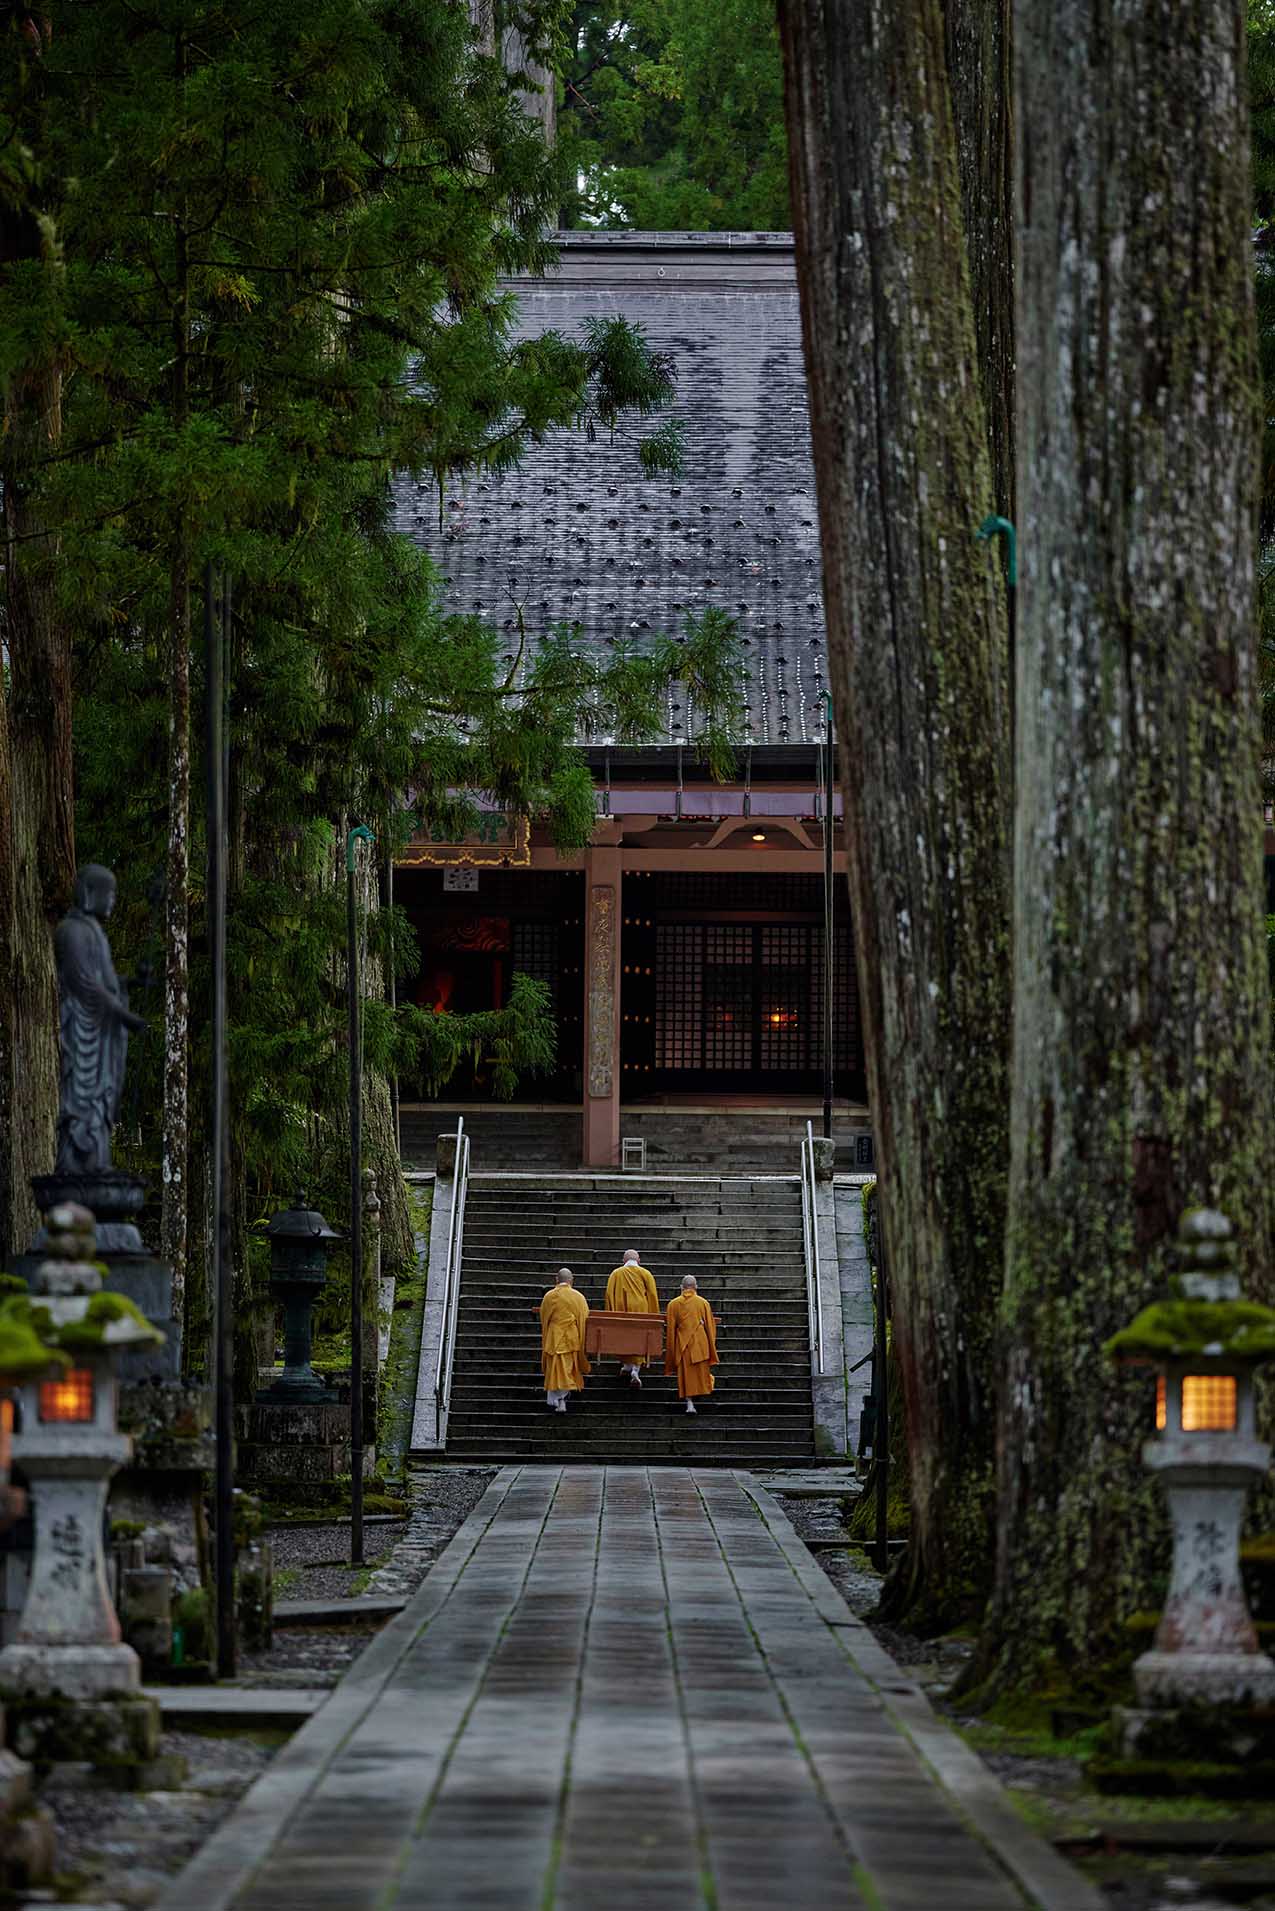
(1182, 1329)
(109, 1320)
(24, 1352)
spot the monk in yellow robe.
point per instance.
(631, 1289)
(690, 1343)
(562, 1355)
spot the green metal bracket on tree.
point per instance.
(362, 833)
(1001, 527)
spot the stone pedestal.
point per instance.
(146, 1616)
(69, 1645)
(1205, 1651)
(303, 1450)
(110, 1196)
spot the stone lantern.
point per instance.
(26, 1834)
(300, 1243)
(1206, 1341)
(68, 1661)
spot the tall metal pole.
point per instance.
(829, 915)
(223, 1298)
(360, 831)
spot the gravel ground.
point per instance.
(121, 1848)
(118, 1851)
(312, 1562)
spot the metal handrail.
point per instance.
(451, 1279)
(810, 1244)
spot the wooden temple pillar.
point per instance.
(603, 882)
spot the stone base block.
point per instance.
(167, 1773)
(1181, 1778)
(297, 1446)
(171, 1425)
(1222, 1735)
(268, 1466)
(27, 1837)
(117, 1734)
(1165, 1680)
(67, 1672)
(313, 1424)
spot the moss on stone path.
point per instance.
(398, 1381)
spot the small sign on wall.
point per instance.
(461, 879)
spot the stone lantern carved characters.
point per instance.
(95, 1021)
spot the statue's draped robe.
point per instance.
(690, 1345)
(632, 1290)
(562, 1355)
(94, 1043)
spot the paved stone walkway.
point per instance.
(627, 1688)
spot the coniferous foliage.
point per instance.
(281, 235)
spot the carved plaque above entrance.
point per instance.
(497, 840)
(601, 989)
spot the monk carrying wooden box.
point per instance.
(631, 1291)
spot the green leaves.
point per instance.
(673, 116)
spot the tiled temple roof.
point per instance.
(578, 535)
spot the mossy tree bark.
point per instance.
(917, 634)
(1141, 1076)
(978, 40)
(41, 814)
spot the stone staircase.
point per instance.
(741, 1236)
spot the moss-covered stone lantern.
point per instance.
(68, 1645)
(1206, 1341)
(300, 1243)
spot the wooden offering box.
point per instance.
(630, 1336)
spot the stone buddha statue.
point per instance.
(95, 1023)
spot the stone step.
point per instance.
(683, 1447)
(793, 1346)
(499, 1303)
(605, 1392)
(607, 1230)
(534, 1227)
(741, 1236)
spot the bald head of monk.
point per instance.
(631, 1257)
(689, 1284)
(564, 1277)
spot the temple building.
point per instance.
(685, 947)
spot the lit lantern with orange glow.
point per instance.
(1206, 1340)
(23, 1357)
(69, 1398)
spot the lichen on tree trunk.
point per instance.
(978, 39)
(1141, 1076)
(917, 638)
(42, 784)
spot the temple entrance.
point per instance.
(472, 945)
(722, 987)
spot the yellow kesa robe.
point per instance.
(562, 1355)
(632, 1290)
(690, 1345)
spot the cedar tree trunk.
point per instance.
(917, 638)
(1141, 1076)
(978, 63)
(37, 811)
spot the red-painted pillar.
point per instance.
(603, 884)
